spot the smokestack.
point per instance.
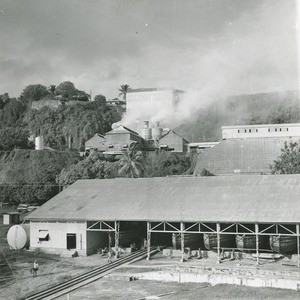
(156, 131)
(146, 131)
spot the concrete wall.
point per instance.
(150, 102)
(57, 242)
(268, 130)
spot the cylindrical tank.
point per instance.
(156, 131)
(39, 143)
(146, 131)
(18, 236)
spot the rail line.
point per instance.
(83, 279)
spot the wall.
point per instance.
(271, 130)
(58, 236)
(150, 102)
(173, 141)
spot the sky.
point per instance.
(217, 47)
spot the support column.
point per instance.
(109, 241)
(218, 242)
(257, 243)
(148, 239)
(117, 234)
(182, 228)
(298, 244)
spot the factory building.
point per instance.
(122, 138)
(94, 213)
(152, 100)
(173, 142)
(261, 131)
(247, 149)
(97, 142)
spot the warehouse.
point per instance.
(81, 216)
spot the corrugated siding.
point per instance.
(247, 198)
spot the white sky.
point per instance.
(216, 46)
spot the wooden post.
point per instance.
(148, 239)
(117, 237)
(109, 241)
(298, 244)
(182, 228)
(218, 242)
(257, 243)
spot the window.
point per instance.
(275, 129)
(287, 129)
(256, 130)
(245, 130)
(43, 235)
(238, 131)
(279, 129)
(269, 130)
(250, 130)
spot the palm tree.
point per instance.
(124, 89)
(131, 164)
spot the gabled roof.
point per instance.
(171, 131)
(247, 198)
(122, 129)
(250, 156)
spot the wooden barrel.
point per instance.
(244, 242)
(283, 244)
(211, 243)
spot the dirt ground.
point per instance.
(18, 282)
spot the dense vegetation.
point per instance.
(65, 118)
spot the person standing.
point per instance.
(35, 268)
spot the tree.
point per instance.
(131, 164)
(124, 90)
(52, 89)
(11, 138)
(289, 160)
(91, 167)
(34, 92)
(100, 100)
(163, 163)
(66, 89)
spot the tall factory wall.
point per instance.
(56, 241)
(151, 102)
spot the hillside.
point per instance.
(28, 176)
(205, 124)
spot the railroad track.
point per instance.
(83, 279)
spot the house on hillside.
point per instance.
(173, 142)
(97, 142)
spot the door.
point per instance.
(71, 240)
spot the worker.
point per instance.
(35, 268)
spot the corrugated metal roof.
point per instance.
(247, 198)
(250, 156)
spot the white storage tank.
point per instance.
(146, 131)
(18, 236)
(39, 143)
(156, 131)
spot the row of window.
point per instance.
(256, 130)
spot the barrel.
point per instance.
(18, 236)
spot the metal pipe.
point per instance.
(257, 243)
(148, 239)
